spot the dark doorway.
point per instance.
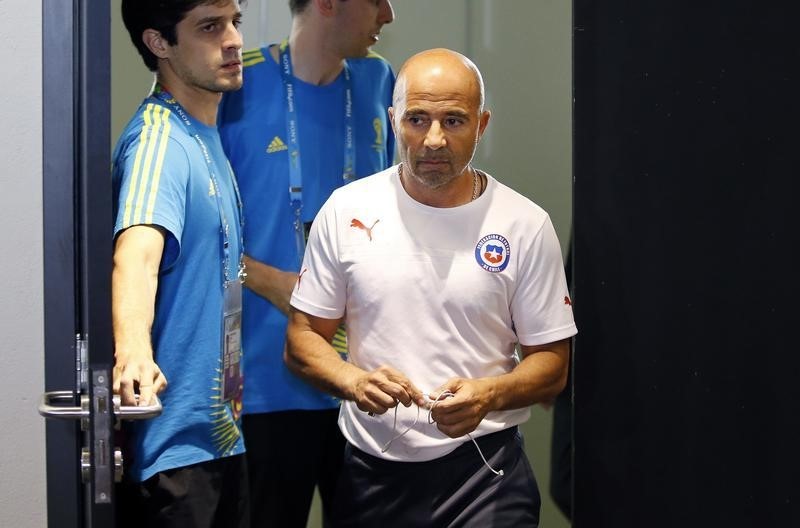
(686, 365)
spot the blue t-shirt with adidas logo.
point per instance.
(253, 129)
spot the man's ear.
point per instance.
(484, 121)
(157, 44)
(325, 7)
(391, 119)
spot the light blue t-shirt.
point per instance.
(161, 178)
(253, 129)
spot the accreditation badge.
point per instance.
(232, 381)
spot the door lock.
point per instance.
(95, 466)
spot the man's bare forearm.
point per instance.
(310, 355)
(539, 377)
(270, 283)
(134, 282)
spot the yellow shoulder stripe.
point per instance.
(251, 62)
(372, 55)
(251, 52)
(252, 57)
(147, 165)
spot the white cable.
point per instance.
(441, 397)
(394, 428)
(498, 472)
(447, 394)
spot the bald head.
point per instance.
(440, 69)
(438, 119)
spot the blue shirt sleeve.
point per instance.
(152, 170)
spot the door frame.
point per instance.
(77, 224)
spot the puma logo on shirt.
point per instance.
(355, 222)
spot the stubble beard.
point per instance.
(433, 181)
(219, 85)
(212, 81)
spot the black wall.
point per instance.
(687, 363)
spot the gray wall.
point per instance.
(22, 468)
(524, 52)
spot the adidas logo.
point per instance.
(276, 145)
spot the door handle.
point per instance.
(137, 412)
(60, 405)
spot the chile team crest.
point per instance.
(492, 253)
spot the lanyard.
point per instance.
(164, 97)
(293, 140)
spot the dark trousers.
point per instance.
(289, 453)
(210, 494)
(457, 490)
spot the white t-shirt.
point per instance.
(435, 293)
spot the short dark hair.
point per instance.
(161, 15)
(298, 6)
